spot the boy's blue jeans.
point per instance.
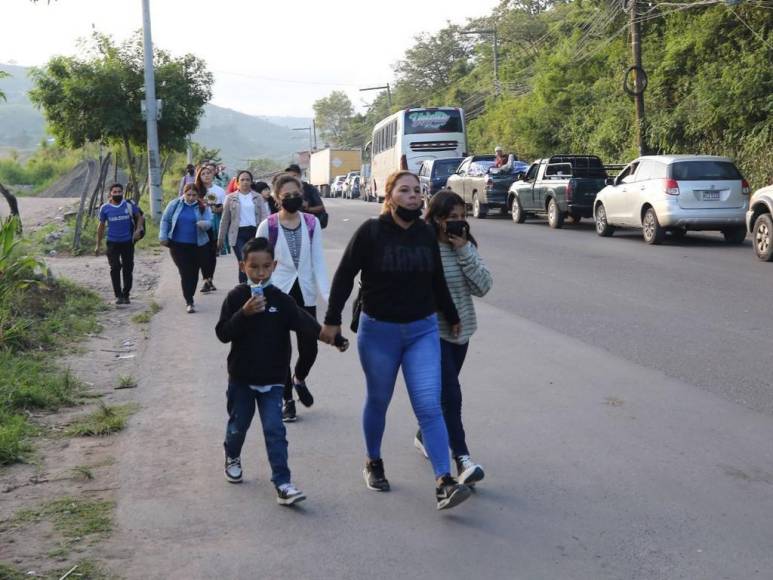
(415, 346)
(241, 401)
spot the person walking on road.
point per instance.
(243, 211)
(264, 189)
(124, 222)
(214, 197)
(188, 177)
(466, 276)
(402, 287)
(257, 318)
(312, 200)
(301, 272)
(184, 226)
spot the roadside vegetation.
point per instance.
(561, 70)
(39, 171)
(39, 317)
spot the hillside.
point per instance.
(237, 135)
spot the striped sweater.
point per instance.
(466, 276)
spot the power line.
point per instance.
(754, 32)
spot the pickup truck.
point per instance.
(483, 186)
(557, 187)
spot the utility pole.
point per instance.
(639, 78)
(381, 88)
(151, 107)
(314, 128)
(493, 33)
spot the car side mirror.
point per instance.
(610, 181)
(520, 176)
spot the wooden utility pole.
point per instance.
(639, 75)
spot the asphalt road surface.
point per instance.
(618, 395)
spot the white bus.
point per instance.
(406, 138)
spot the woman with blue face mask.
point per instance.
(183, 230)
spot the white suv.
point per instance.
(674, 194)
(759, 220)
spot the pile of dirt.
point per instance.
(83, 177)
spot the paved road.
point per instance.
(600, 396)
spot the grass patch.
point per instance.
(8, 572)
(106, 420)
(146, 315)
(87, 570)
(71, 517)
(126, 382)
(82, 473)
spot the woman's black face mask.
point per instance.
(292, 204)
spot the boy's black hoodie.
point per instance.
(260, 344)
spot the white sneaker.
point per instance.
(469, 471)
(418, 443)
(233, 469)
(288, 494)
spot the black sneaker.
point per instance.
(233, 469)
(288, 494)
(374, 475)
(206, 287)
(450, 493)
(418, 443)
(126, 299)
(212, 287)
(469, 472)
(119, 300)
(304, 395)
(288, 412)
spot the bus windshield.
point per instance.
(433, 121)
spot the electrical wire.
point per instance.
(754, 32)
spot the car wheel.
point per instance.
(652, 231)
(555, 217)
(602, 225)
(735, 236)
(516, 211)
(763, 232)
(479, 211)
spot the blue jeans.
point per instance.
(415, 346)
(241, 401)
(452, 358)
(245, 234)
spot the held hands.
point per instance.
(255, 305)
(456, 329)
(329, 333)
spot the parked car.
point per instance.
(483, 186)
(348, 183)
(675, 194)
(759, 222)
(353, 191)
(337, 187)
(558, 187)
(433, 174)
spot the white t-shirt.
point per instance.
(219, 194)
(246, 210)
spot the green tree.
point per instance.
(96, 97)
(333, 113)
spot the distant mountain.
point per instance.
(238, 136)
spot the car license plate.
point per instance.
(710, 196)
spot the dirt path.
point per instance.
(83, 468)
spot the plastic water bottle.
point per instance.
(256, 289)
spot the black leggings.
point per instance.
(189, 259)
(307, 347)
(210, 263)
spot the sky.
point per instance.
(268, 57)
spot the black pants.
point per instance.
(189, 259)
(245, 233)
(451, 360)
(210, 263)
(120, 256)
(307, 347)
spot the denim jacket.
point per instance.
(169, 221)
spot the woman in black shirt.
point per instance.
(402, 287)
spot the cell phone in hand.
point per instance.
(457, 228)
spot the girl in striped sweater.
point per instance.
(466, 276)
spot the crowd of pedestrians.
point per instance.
(413, 310)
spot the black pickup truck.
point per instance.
(558, 187)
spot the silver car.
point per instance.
(674, 194)
(759, 221)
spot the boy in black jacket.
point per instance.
(257, 319)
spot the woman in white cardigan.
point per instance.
(300, 272)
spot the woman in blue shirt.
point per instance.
(184, 226)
